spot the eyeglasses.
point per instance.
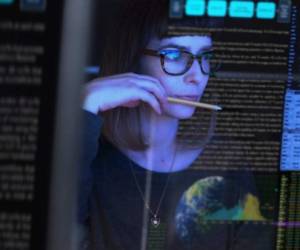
(177, 62)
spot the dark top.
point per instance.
(200, 209)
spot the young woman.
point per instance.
(136, 188)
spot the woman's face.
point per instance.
(190, 85)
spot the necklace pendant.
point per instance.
(155, 221)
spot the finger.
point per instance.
(150, 99)
(127, 77)
(132, 76)
(151, 87)
(152, 79)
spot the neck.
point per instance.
(159, 132)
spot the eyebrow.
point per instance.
(171, 45)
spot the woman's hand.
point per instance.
(125, 90)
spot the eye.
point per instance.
(171, 54)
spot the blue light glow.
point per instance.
(265, 10)
(33, 5)
(6, 2)
(195, 7)
(217, 8)
(241, 9)
(94, 70)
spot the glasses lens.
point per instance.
(209, 64)
(175, 61)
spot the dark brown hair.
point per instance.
(138, 22)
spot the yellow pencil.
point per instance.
(196, 104)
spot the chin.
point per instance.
(181, 112)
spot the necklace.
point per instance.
(155, 220)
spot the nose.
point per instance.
(194, 74)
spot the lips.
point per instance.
(192, 98)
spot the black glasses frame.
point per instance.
(192, 57)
